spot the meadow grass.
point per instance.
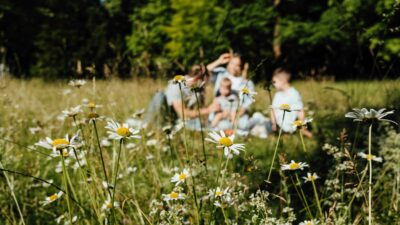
(147, 165)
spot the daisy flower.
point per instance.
(364, 115)
(311, 177)
(92, 105)
(244, 91)
(294, 165)
(309, 222)
(117, 131)
(300, 123)
(285, 107)
(107, 205)
(179, 79)
(59, 143)
(225, 142)
(72, 112)
(77, 83)
(52, 198)
(179, 178)
(370, 157)
(173, 196)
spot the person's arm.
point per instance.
(223, 59)
(177, 106)
(273, 120)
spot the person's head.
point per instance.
(225, 87)
(198, 75)
(235, 65)
(281, 78)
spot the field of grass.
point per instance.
(143, 170)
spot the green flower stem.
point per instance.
(303, 195)
(101, 155)
(317, 199)
(276, 149)
(357, 189)
(184, 124)
(66, 186)
(302, 141)
(306, 208)
(201, 131)
(13, 194)
(370, 177)
(115, 177)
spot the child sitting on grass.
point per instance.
(286, 94)
(225, 106)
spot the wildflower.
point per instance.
(246, 92)
(118, 132)
(57, 144)
(225, 142)
(77, 83)
(34, 130)
(52, 198)
(179, 79)
(311, 177)
(309, 222)
(365, 115)
(107, 205)
(179, 178)
(72, 112)
(370, 157)
(285, 107)
(92, 105)
(223, 197)
(93, 116)
(301, 123)
(294, 166)
(173, 196)
(66, 222)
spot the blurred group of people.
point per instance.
(233, 94)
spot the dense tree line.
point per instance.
(53, 38)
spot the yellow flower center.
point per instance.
(309, 223)
(225, 142)
(298, 123)
(109, 205)
(245, 90)
(312, 178)
(60, 143)
(370, 157)
(92, 105)
(53, 197)
(123, 131)
(182, 176)
(294, 166)
(218, 193)
(285, 107)
(174, 195)
(179, 78)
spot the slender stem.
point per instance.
(302, 141)
(101, 156)
(184, 124)
(303, 195)
(301, 198)
(317, 199)
(201, 131)
(66, 186)
(358, 188)
(276, 149)
(13, 194)
(370, 177)
(116, 175)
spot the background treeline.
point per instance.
(155, 38)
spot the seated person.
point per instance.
(236, 71)
(225, 105)
(286, 94)
(166, 107)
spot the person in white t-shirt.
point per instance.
(286, 94)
